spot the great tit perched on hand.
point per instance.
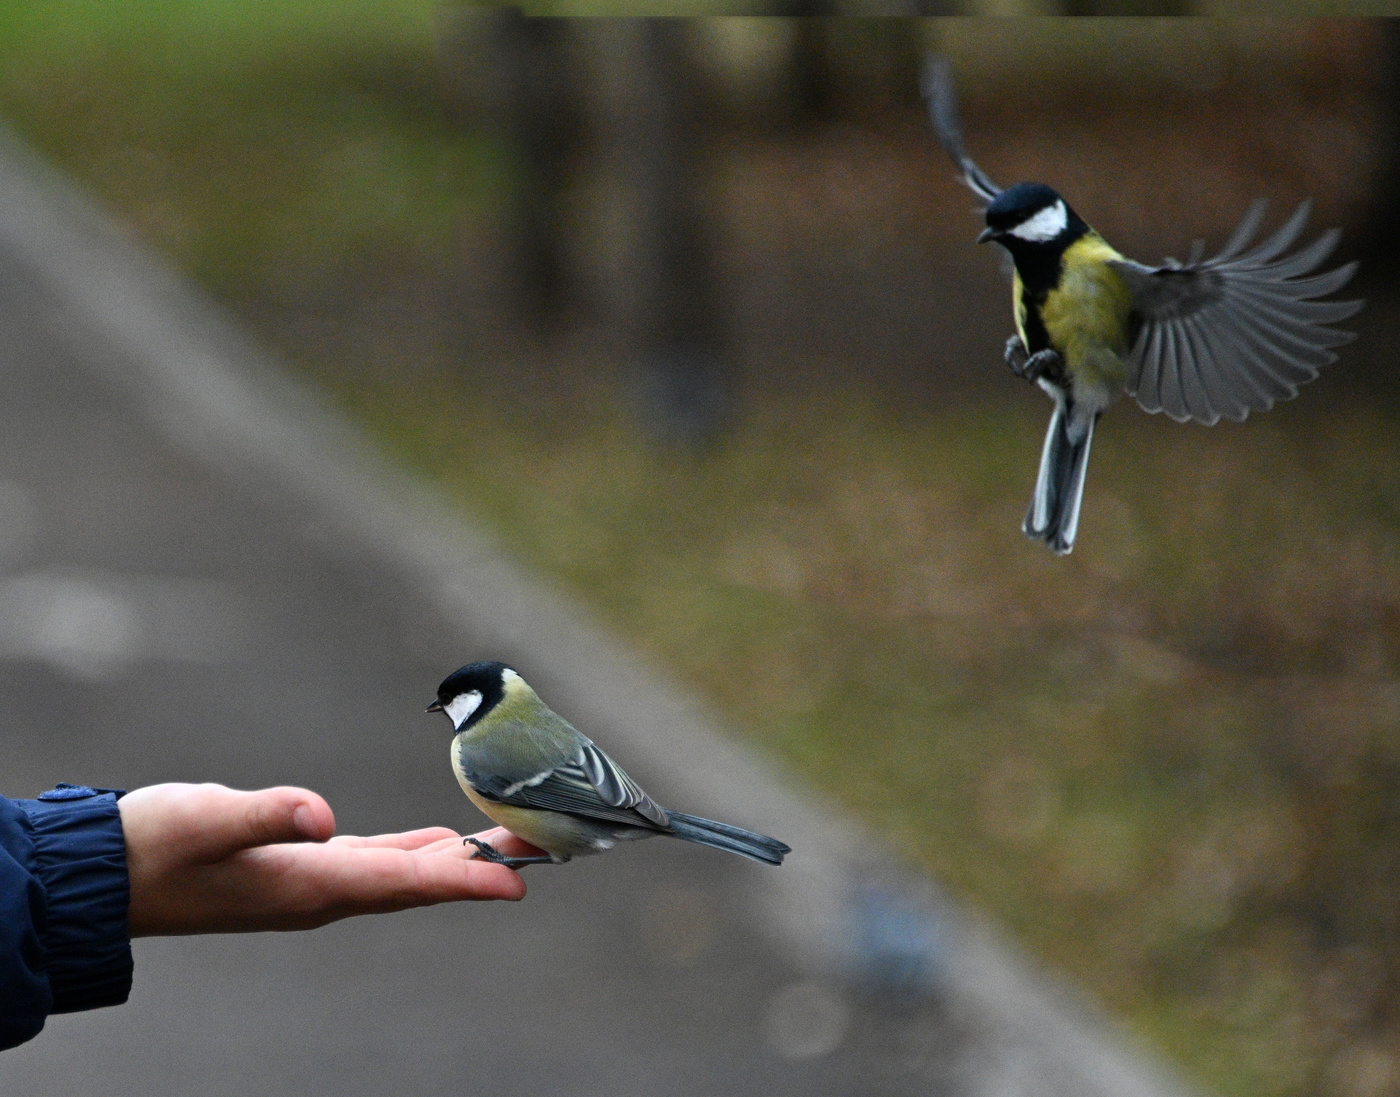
(1203, 340)
(530, 771)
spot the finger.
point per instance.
(313, 885)
(500, 839)
(434, 839)
(502, 884)
(455, 844)
(411, 839)
(452, 842)
(442, 879)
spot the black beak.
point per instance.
(987, 234)
(436, 706)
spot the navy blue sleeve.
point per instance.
(25, 998)
(63, 908)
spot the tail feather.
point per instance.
(1053, 516)
(707, 832)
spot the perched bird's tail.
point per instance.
(707, 832)
(1059, 488)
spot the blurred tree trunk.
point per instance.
(849, 68)
(812, 79)
(512, 76)
(671, 308)
(1382, 238)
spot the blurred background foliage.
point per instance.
(689, 314)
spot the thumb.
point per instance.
(237, 821)
(286, 814)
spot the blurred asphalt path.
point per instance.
(175, 604)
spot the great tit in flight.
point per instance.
(528, 770)
(1204, 340)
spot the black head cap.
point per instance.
(487, 679)
(1018, 205)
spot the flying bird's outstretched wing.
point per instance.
(1238, 332)
(937, 86)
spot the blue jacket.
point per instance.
(63, 905)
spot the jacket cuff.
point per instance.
(80, 859)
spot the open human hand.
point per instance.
(209, 859)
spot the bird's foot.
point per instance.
(1043, 363)
(1016, 355)
(485, 851)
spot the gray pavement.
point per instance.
(205, 577)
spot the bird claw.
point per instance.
(1016, 355)
(1043, 363)
(485, 851)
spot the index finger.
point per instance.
(409, 839)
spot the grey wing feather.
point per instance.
(589, 783)
(937, 86)
(1244, 231)
(1221, 337)
(616, 788)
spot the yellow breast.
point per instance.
(1086, 316)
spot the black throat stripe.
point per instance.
(1040, 267)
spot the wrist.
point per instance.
(80, 860)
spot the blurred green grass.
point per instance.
(1170, 762)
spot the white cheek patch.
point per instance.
(1045, 225)
(462, 706)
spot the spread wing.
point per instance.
(937, 86)
(1238, 332)
(589, 783)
